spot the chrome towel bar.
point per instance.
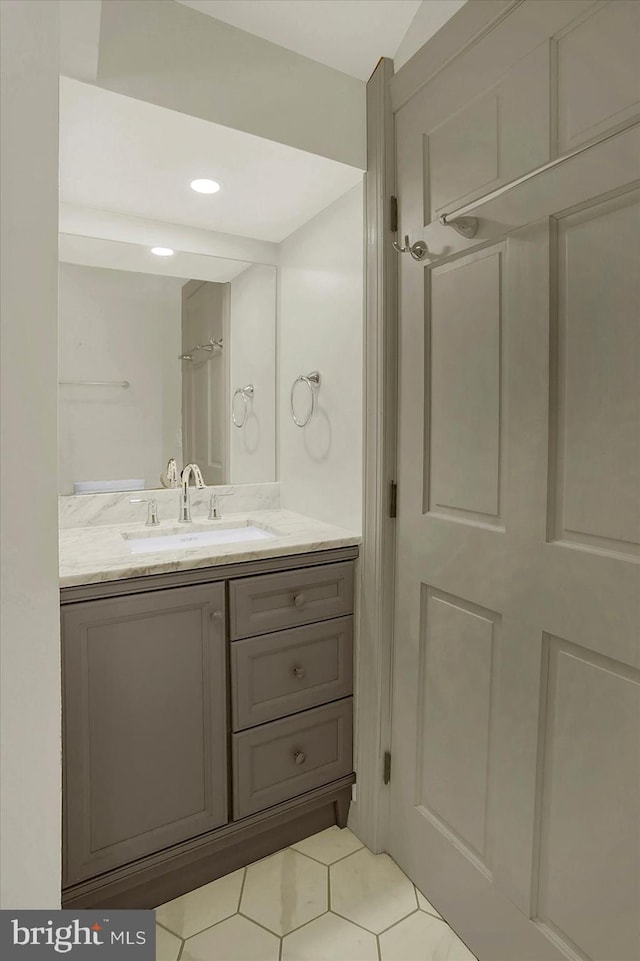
(96, 383)
(459, 220)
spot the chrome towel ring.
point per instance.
(312, 381)
(245, 393)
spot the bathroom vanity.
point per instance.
(207, 715)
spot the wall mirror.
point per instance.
(167, 294)
(160, 361)
(131, 177)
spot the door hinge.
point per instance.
(393, 499)
(393, 215)
(386, 770)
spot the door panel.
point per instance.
(463, 151)
(595, 91)
(205, 309)
(516, 720)
(598, 346)
(490, 140)
(464, 361)
(590, 719)
(457, 648)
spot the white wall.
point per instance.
(320, 327)
(117, 325)
(178, 58)
(79, 38)
(253, 361)
(29, 642)
(431, 16)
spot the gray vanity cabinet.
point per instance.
(207, 722)
(145, 724)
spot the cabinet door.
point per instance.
(144, 713)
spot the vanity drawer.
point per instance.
(283, 759)
(274, 602)
(279, 674)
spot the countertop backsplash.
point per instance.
(92, 510)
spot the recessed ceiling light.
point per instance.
(162, 251)
(204, 186)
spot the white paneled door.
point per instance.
(515, 795)
(205, 416)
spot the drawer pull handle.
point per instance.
(299, 757)
(298, 599)
(299, 672)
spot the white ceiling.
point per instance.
(348, 35)
(136, 158)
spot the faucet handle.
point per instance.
(214, 507)
(152, 510)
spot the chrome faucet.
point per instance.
(184, 516)
(170, 476)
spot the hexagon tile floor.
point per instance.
(327, 898)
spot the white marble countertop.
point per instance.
(91, 555)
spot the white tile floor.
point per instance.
(327, 898)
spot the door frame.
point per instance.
(386, 93)
(375, 596)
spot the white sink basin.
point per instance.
(189, 538)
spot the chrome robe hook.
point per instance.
(418, 251)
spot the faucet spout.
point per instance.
(184, 515)
(197, 476)
(170, 476)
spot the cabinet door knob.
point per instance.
(298, 599)
(299, 757)
(216, 616)
(298, 672)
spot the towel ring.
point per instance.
(312, 381)
(245, 393)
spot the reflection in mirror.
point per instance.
(126, 173)
(151, 355)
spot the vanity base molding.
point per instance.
(160, 877)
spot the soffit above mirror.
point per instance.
(130, 157)
(116, 255)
